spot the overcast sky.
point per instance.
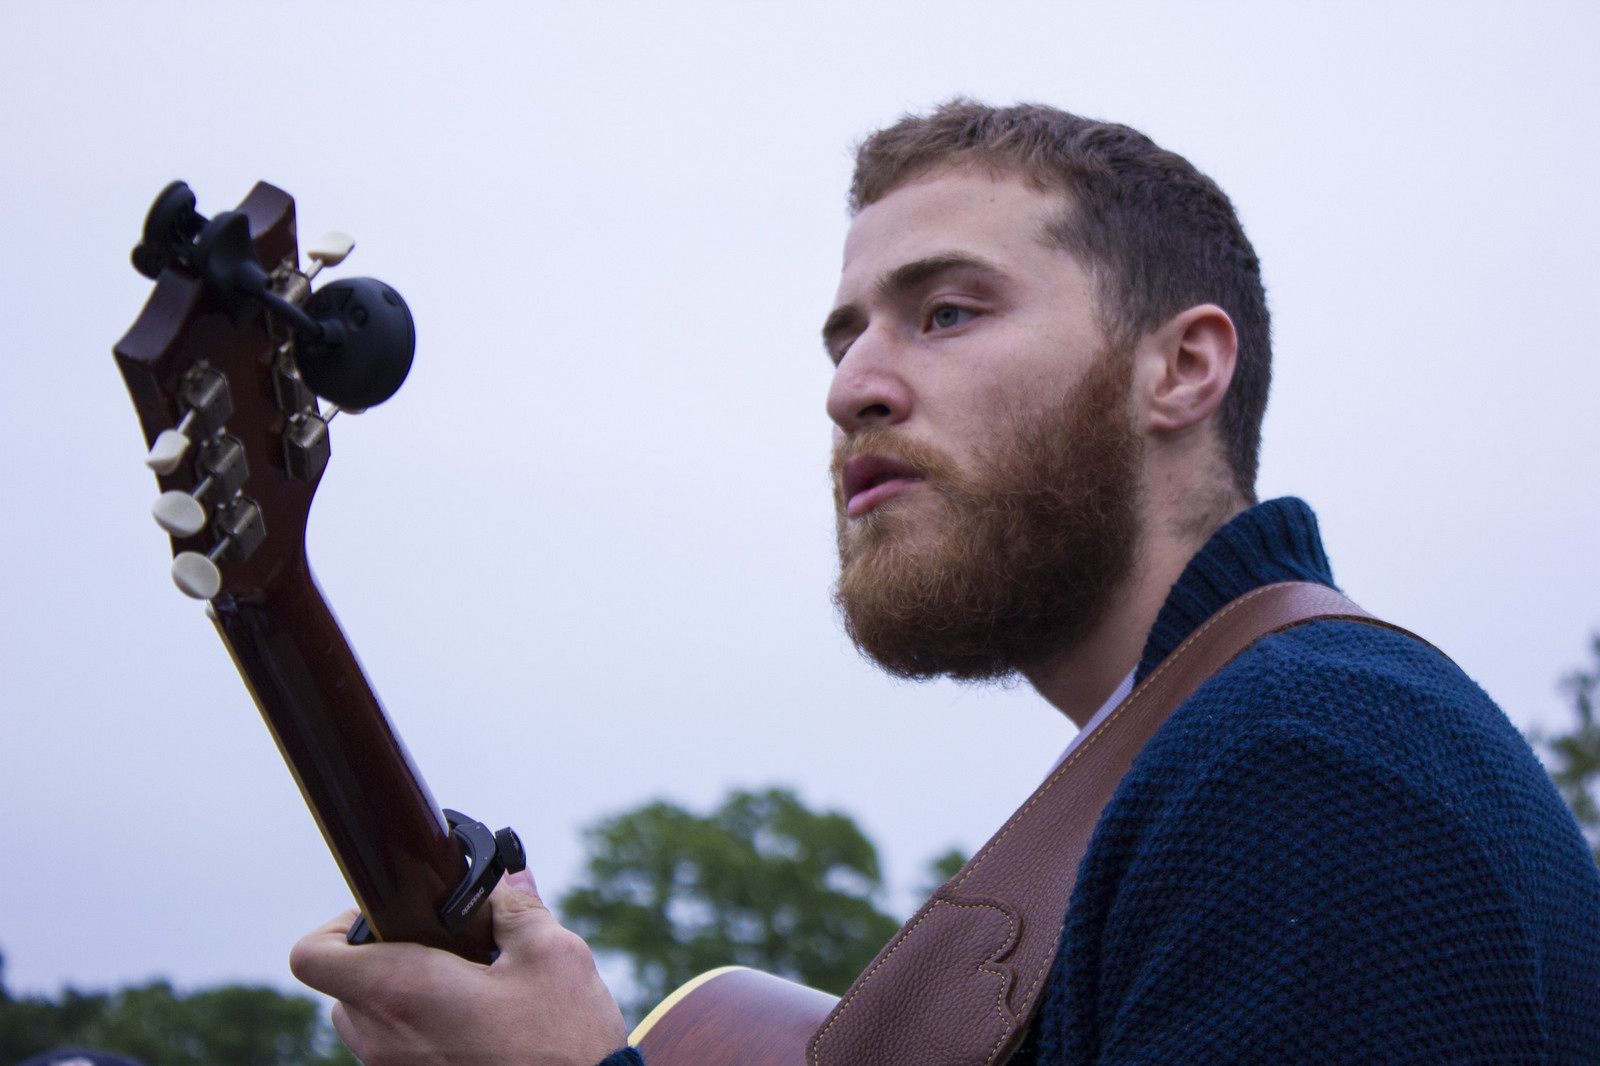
(585, 553)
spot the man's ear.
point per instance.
(1182, 368)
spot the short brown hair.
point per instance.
(1159, 235)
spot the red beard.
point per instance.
(1019, 557)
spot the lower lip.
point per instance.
(862, 502)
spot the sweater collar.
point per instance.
(1273, 541)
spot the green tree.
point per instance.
(234, 1025)
(943, 867)
(33, 1024)
(762, 881)
(1575, 756)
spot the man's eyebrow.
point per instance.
(840, 320)
(908, 276)
(900, 280)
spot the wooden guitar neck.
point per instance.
(373, 806)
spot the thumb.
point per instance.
(521, 881)
(519, 915)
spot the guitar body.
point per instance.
(733, 1016)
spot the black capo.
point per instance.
(487, 855)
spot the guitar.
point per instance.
(225, 366)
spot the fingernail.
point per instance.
(522, 881)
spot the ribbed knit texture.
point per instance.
(1274, 541)
(1338, 850)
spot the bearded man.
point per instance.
(1052, 358)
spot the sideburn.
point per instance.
(1024, 552)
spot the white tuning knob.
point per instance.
(167, 452)
(196, 576)
(331, 248)
(179, 513)
(328, 250)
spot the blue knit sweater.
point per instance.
(1338, 850)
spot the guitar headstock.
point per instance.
(225, 365)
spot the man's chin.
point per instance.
(907, 527)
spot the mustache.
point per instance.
(930, 463)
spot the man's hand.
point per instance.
(541, 1002)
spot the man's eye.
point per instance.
(949, 315)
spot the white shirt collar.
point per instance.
(1118, 694)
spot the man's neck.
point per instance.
(1078, 679)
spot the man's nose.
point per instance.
(869, 388)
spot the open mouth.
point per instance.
(868, 480)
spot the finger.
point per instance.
(521, 921)
(521, 881)
(324, 960)
(338, 925)
(310, 945)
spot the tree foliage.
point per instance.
(943, 867)
(234, 1025)
(762, 881)
(1575, 756)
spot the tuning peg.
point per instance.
(209, 404)
(239, 522)
(180, 513)
(223, 464)
(196, 575)
(167, 452)
(328, 250)
(171, 445)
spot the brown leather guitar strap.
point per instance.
(960, 980)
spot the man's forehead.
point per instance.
(972, 212)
